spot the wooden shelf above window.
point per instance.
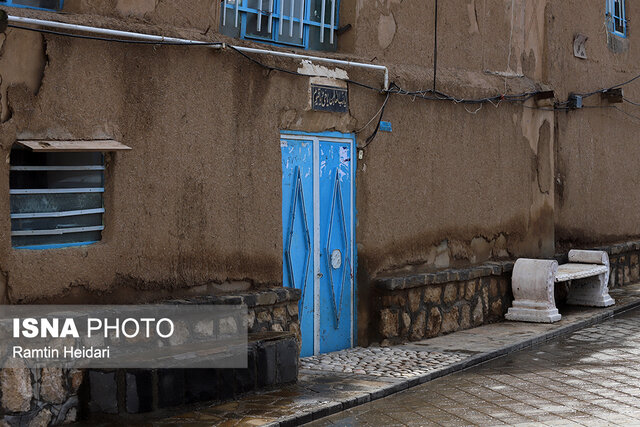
(78, 145)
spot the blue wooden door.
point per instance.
(318, 214)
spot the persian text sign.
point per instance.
(125, 336)
(329, 98)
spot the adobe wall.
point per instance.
(196, 204)
(597, 147)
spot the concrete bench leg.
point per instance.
(591, 291)
(533, 283)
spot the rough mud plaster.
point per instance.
(500, 247)
(481, 249)
(366, 302)
(197, 114)
(188, 14)
(459, 250)
(543, 154)
(386, 30)
(314, 121)
(602, 68)
(465, 181)
(517, 16)
(600, 196)
(3, 288)
(540, 236)
(196, 201)
(473, 17)
(456, 253)
(597, 149)
(136, 7)
(617, 44)
(22, 61)
(499, 33)
(532, 56)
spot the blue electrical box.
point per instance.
(385, 127)
(574, 101)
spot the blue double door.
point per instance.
(319, 256)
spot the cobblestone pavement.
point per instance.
(588, 378)
(381, 361)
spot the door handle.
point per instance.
(319, 275)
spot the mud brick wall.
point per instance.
(425, 305)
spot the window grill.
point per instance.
(310, 24)
(56, 198)
(616, 17)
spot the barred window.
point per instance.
(309, 24)
(616, 17)
(56, 198)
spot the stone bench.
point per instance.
(533, 283)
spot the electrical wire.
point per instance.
(295, 73)
(370, 139)
(431, 94)
(619, 85)
(436, 95)
(372, 118)
(110, 39)
(633, 116)
(637, 104)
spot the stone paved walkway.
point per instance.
(320, 393)
(394, 362)
(588, 378)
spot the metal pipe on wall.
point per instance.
(151, 37)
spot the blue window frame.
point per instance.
(34, 4)
(616, 17)
(308, 24)
(56, 198)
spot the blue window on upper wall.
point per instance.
(616, 17)
(34, 4)
(55, 198)
(308, 24)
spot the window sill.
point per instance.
(55, 246)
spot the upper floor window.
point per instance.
(616, 17)
(34, 4)
(309, 24)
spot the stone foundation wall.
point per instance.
(425, 305)
(53, 396)
(274, 310)
(39, 397)
(624, 260)
(272, 360)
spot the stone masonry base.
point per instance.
(426, 305)
(53, 396)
